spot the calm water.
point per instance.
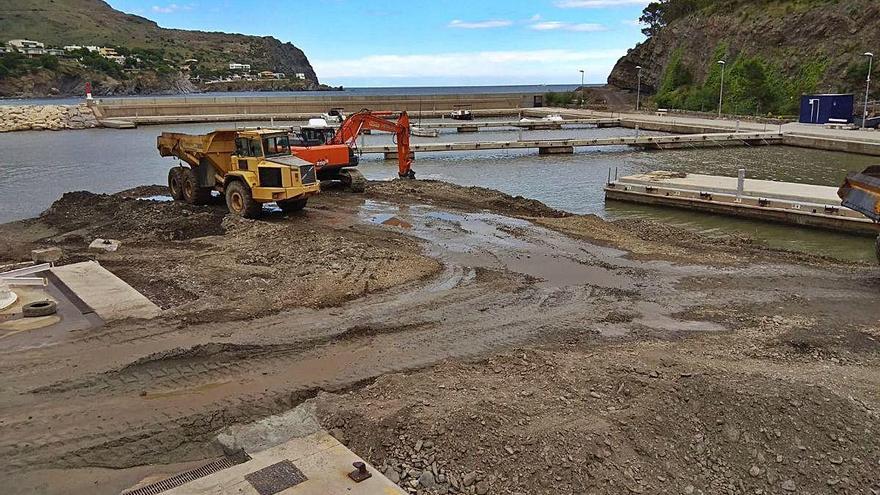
(37, 167)
(406, 91)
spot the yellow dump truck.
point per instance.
(249, 167)
(861, 192)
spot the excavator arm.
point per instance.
(364, 120)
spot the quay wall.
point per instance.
(312, 105)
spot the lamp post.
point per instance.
(639, 90)
(582, 85)
(867, 88)
(722, 63)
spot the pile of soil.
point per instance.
(188, 258)
(441, 193)
(618, 420)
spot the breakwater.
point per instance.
(46, 117)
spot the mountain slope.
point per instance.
(94, 22)
(780, 47)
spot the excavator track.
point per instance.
(353, 179)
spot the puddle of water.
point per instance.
(486, 240)
(157, 198)
(185, 391)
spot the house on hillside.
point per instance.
(28, 47)
(241, 67)
(299, 75)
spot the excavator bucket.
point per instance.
(861, 192)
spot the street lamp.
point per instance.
(639, 90)
(582, 85)
(722, 63)
(867, 88)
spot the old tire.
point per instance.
(240, 202)
(39, 308)
(175, 183)
(353, 180)
(192, 192)
(292, 205)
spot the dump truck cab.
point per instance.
(249, 167)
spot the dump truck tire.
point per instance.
(354, 180)
(175, 185)
(192, 193)
(240, 202)
(292, 205)
(39, 308)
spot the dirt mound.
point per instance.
(556, 422)
(460, 197)
(125, 218)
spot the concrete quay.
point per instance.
(566, 146)
(782, 202)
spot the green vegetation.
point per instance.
(751, 86)
(16, 64)
(563, 99)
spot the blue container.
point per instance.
(822, 109)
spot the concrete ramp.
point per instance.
(108, 295)
(316, 464)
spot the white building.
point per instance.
(55, 51)
(244, 67)
(299, 75)
(22, 44)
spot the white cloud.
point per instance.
(598, 4)
(632, 22)
(170, 8)
(585, 27)
(488, 24)
(537, 65)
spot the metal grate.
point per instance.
(276, 478)
(307, 174)
(191, 475)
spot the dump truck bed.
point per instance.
(861, 192)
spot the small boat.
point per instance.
(461, 115)
(424, 132)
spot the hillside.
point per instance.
(775, 51)
(94, 22)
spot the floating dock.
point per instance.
(784, 202)
(567, 146)
(475, 125)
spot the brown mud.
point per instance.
(474, 341)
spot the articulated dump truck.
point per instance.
(861, 192)
(247, 167)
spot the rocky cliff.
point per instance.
(816, 43)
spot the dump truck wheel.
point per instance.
(292, 205)
(192, 193)
(354, 180)
(39, 308)
(174, 183)
(240, 201)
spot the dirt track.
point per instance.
(559, 354)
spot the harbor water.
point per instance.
(38, 167)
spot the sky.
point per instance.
(358, 43)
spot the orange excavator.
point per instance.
(333, 152)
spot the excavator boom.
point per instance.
(364, 120)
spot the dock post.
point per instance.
(740, 183)
(637, 131)
(737, 126)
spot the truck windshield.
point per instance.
(276, 145)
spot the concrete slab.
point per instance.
(108, 295)
(322, 460)
(808, 193)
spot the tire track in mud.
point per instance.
(366, 354)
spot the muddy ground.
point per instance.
(461, 340)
